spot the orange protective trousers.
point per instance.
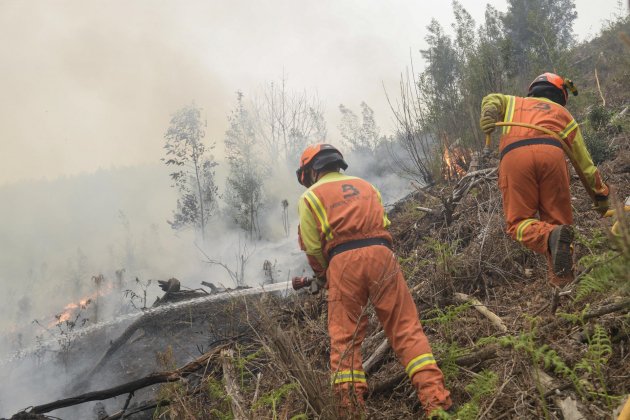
(373, 273)
(534, 182)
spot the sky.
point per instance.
(88, 85)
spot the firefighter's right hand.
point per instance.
(489, 118)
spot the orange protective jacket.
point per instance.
(336, 209)
(550, 115)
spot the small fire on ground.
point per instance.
(455, 162)
(73, 310)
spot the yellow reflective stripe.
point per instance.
(348, 376)
(419, 362)
(509, 113)
(572, 126)
(521, 228)
(320, 212)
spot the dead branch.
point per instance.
(484, 354)
(483, 310)
(152, 379)
(231, 387)
(135, 410)
(376, 357)
(621, 306)
(599, 88)
(568, 406)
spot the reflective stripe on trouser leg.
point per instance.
(534, 181)
(397, 312)
(419, 362)
(347, 299)
(520, 228)
(348, 376)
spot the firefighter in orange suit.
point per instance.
(533, 174)
(343, 230)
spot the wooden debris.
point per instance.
(231, 385)
(483, 310)
(376, 357)
(472, 359)
(567, 405)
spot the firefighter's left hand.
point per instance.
(317, 285)
(601, 204)
(489, 118)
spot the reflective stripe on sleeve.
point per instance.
(521, 228)
(419, 362)
(321, 214)
(348, 376)
(509, 113)
(568, 129)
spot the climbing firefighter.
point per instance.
(343, 230)
(533, 174)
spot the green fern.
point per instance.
(448, 355)
(445, 317)
(601, 277)
(592, 364)
(274, 398)
(540, 355)
(483, 385)
(445, 254)
(576, 318)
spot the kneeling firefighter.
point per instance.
(343, 230)
(533, 174)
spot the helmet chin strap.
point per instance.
(311, 177)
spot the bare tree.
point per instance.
(286, 121)
(236, 271)
(418, 144)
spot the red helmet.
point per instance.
(317, 156)
(555, 81)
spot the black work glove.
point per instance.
(317, 285)
(601, 204)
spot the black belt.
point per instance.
(529, 142)
(359, 243)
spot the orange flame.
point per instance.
(71, 309)
(454, 166)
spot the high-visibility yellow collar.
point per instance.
(331, 177)
(543, 99)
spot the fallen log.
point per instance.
(483, 310)
(156, 316)
(484, 354)
(376, 357)
(152, 379)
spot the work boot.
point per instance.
(560, 247)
